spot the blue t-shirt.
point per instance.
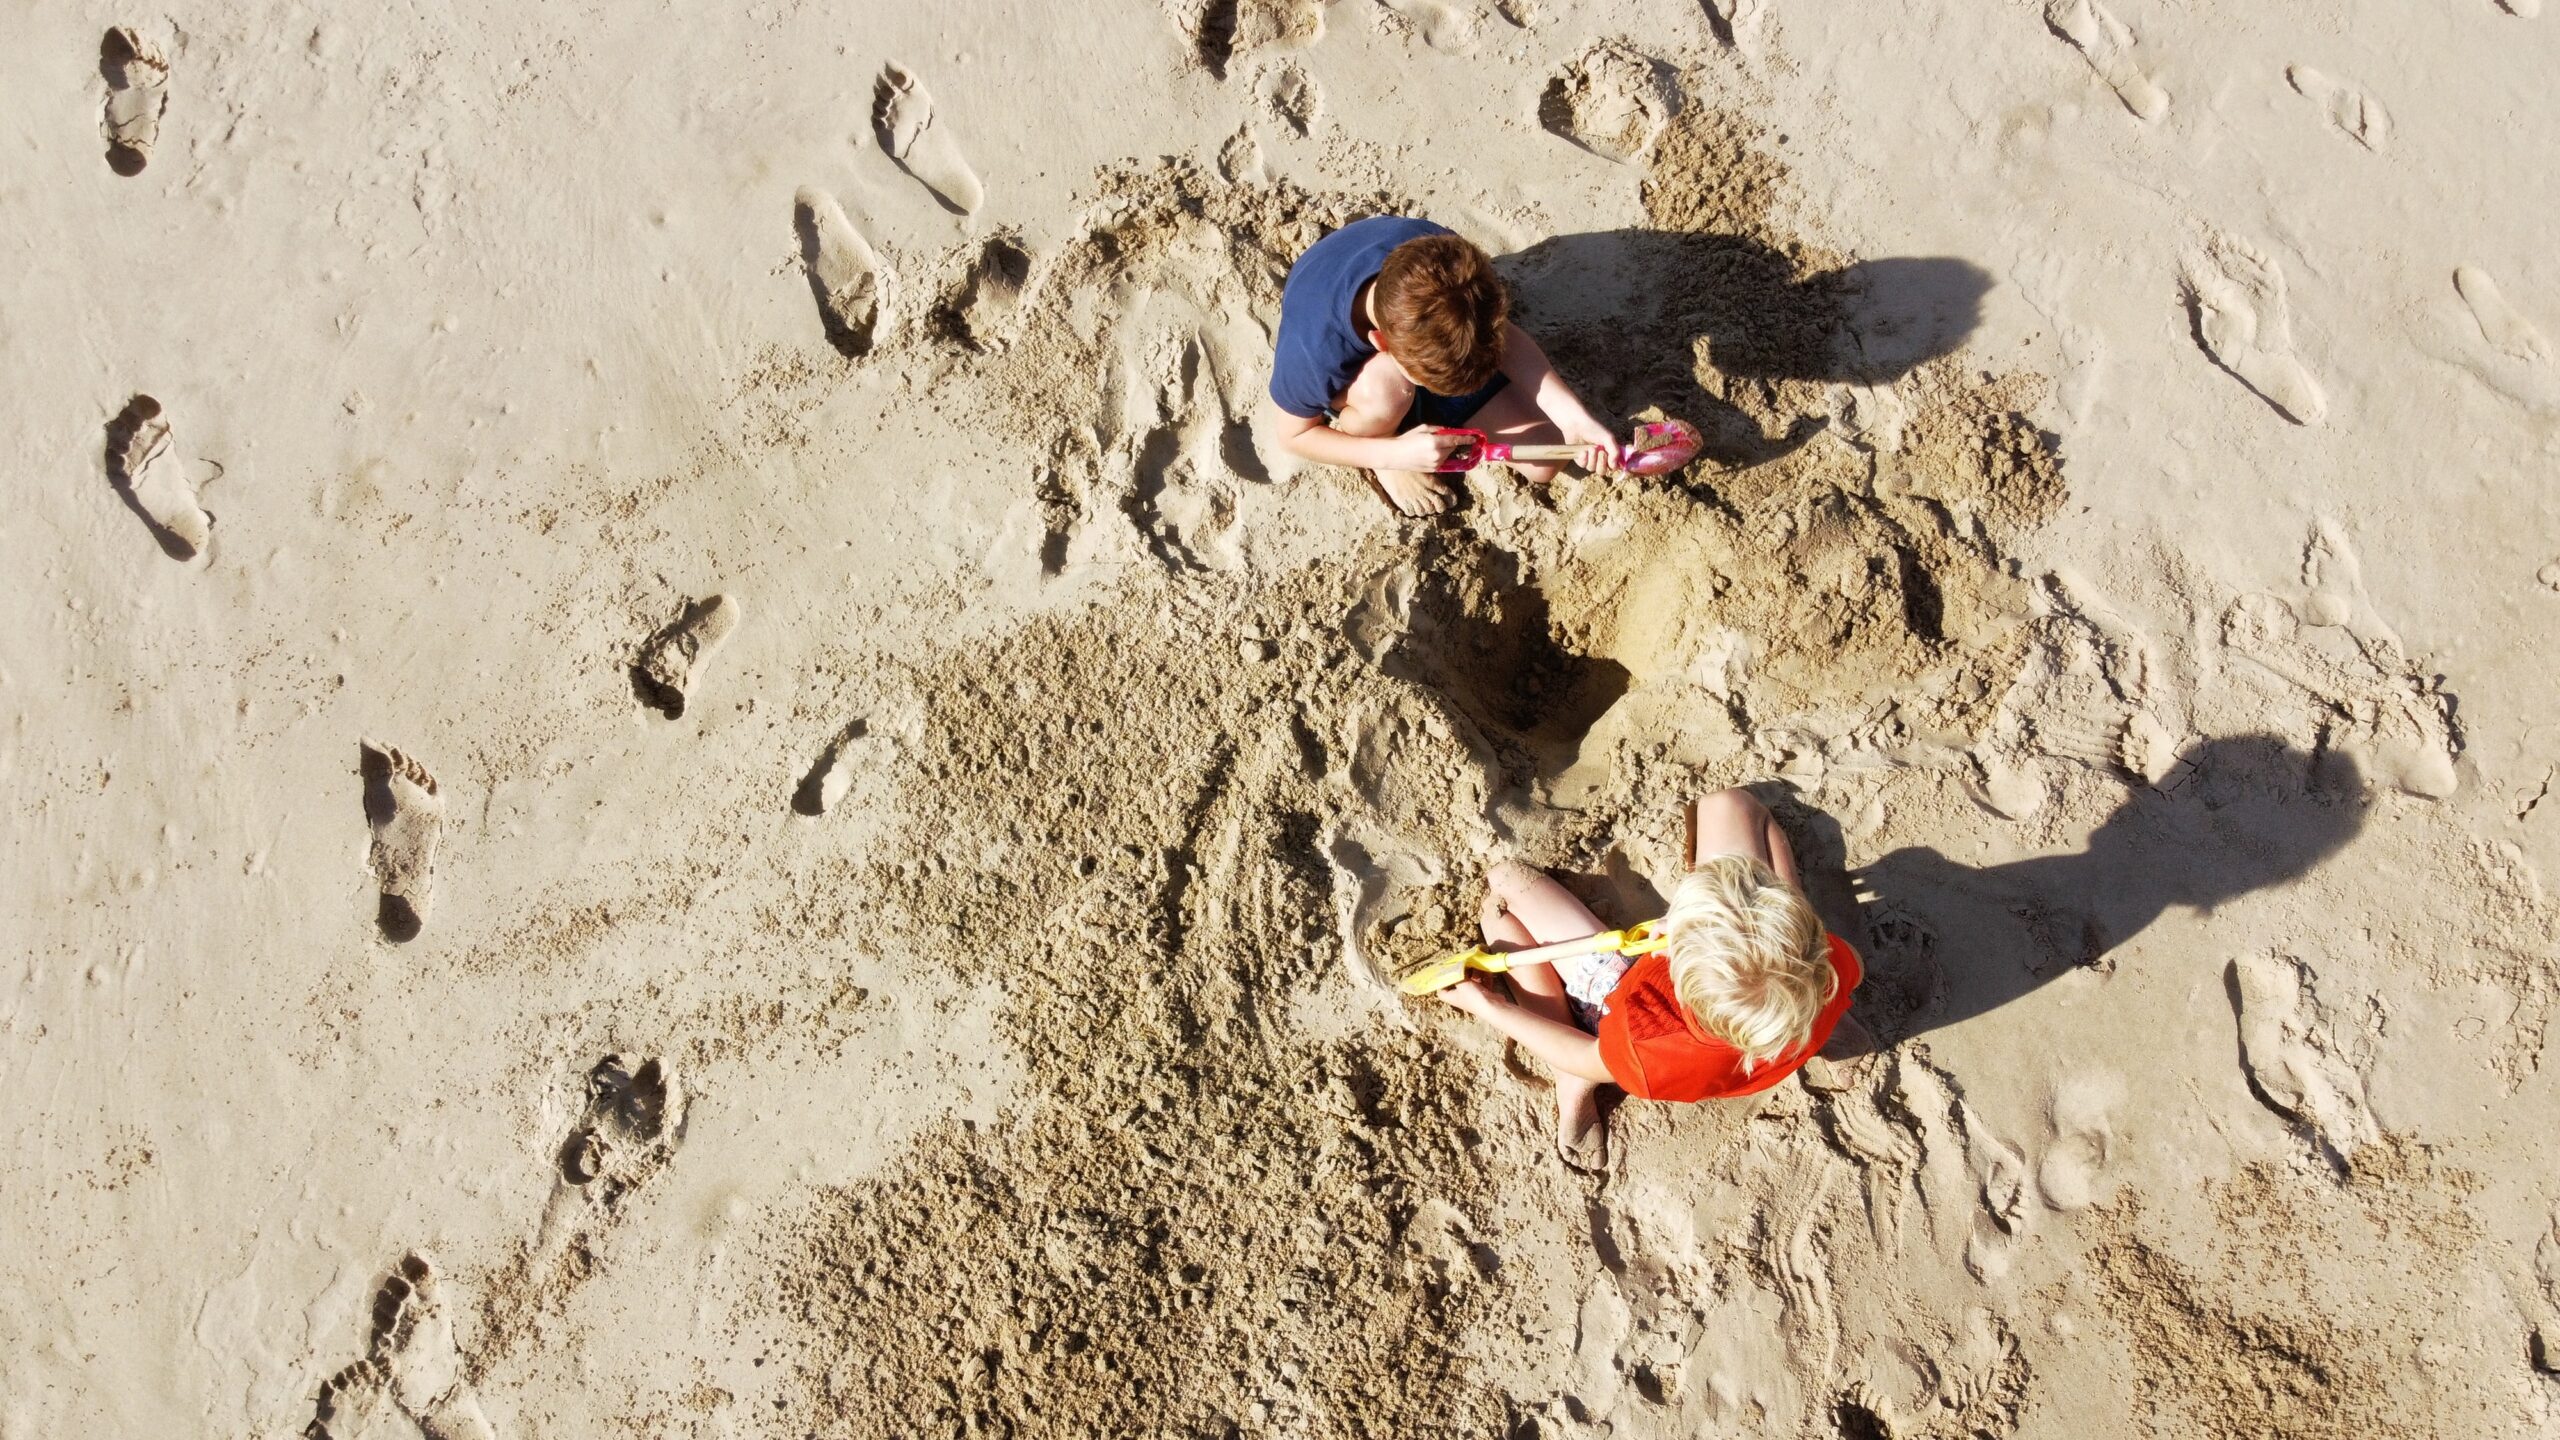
(1320, 347)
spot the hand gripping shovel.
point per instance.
(1659, 448)
(1448, 970)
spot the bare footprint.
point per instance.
(2075, 1163)
(2107, 45)
(137, 77)
(633, 1120)
(2501, 324)
(1291, 97)
(671, 663)
(832, 777)
(2357, 115)
(844, 273)
(152, 481)
(902, 120)
(1222, 31)
(1735, 22)
(1611, 100)
(2291, 1054)
(977, 308)
(411, 1364)
(407, 815)
(1240, 159)
(2236, 298)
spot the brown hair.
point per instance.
(1442, 308)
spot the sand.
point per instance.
(677, 767)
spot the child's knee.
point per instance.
(1506, 880)
(1729, 822)
(1536, 474)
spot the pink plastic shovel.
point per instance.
(1659, 448)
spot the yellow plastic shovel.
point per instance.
(1448, 970)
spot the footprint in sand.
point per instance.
(1450, 29)
(1291, 97)
(1735, 22)
(902, 120)
(1223, 30)
(1240, 159)
(137, 77)
(2501, 324)
(152, 481)
(2291, 1054)
(832, 778)
(2357, 115)
(407, 816)
(2236, 298)
(2107, 45)
(975, 310)
(411, 1366)
(2074, 1166)
(844, 274)
(670, 665)
(1610, 100)
(633, 1121)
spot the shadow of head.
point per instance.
(1646, 305)
(2234, 815)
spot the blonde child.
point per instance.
(1751, 987)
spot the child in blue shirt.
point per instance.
(1392, 326)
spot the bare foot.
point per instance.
(1415, 492)
(1582, 1135)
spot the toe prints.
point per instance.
(977, 309)
(2374, 716)
(137, 77)
(633, 1120)
(844, 274)
(1610, 100)
(670, 666)
(2108, 46)
(406, 813)
(411, 1366)
(2236, 299)
(1291, 97)
(902, 120)
(1223, 31)
(153, 482)
(2356, 115)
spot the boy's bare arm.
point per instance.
(1416, 449)
(1529, 368)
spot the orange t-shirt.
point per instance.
(1657, 1052)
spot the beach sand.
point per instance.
(675, 766)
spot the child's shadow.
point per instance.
(1636, 316)
(1947, 941)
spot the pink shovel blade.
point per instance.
(1662, 447)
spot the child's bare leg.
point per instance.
(1375, 406)
(1731, 822)
(1580, 1135)
(1512, 417)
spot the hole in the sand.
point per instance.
(1484, 638)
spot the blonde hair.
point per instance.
(1749, 958)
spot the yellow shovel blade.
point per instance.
(1448, 970)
